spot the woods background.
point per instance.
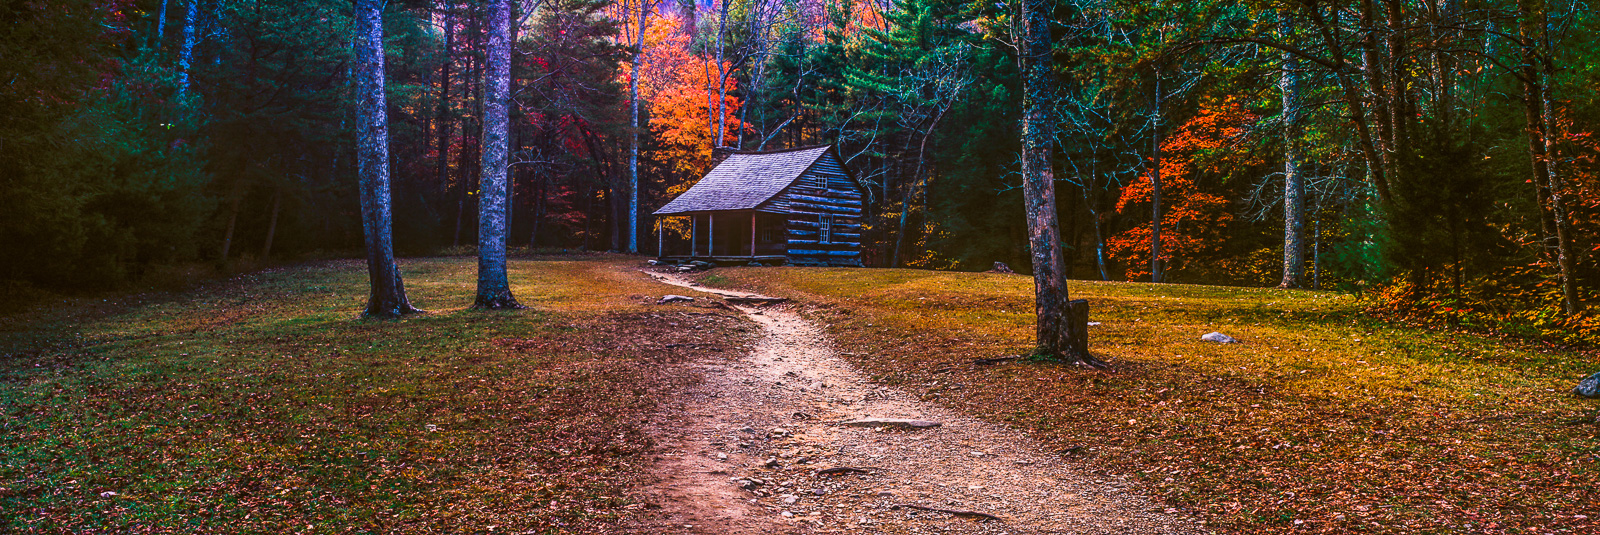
(1437, 155)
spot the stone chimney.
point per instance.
(718, 154)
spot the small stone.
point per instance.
(1218, 338)
(673, 299)
(978, 454)
(790, 499)
(787, 514)
(747, 429)
(891, 422)
(771, 463)
(722, 456)
(108, 494)
(1589, 387)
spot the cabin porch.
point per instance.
(724, 236)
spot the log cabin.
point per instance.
(797, 206)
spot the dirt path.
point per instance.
(744, 450)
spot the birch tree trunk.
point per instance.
(1294, 254)
(388, 297)
(722, 75)
(494, 290)
(633, 133)
(1061, 325)
(1155, 183)
(186, 52)
(161, 25)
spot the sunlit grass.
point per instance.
(1321, 415)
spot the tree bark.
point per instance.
(722, 75)
(388, 297)
(161, 25)
(633, 133)
(1351, 92)
(1557, 228)
(272, 223)
(1156, 274)
(186, 52)
(1294, 254)
(494, 290)
(445, 125)
(1058, 334)
(235, 197)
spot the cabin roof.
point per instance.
(745, 180)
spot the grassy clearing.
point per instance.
(1322, 421)
(262, 404)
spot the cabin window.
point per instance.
(825, 231)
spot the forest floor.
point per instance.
(261, 403)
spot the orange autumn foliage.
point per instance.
(680, 91)
(1193, 220)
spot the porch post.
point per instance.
(661, 239)
(752, 234)
(711, 234)
(694, 235)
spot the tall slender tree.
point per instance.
(1061, 324)
(494, 288)
(1294, 251)
(641, 10)
(388, 297)
(186, 51)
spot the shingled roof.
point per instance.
(745, 180)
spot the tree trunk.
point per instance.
(442, 165)
(1556, 232)
(1294, 254)
(235, 197)
(1565, 255)
(186, 52)
(919, 182)
(388, 297)
(272, 223)
(161, 25)
(1155, 183)
(1352, 96)
(1060, 333)
(1089, 187)
(633, 135)
(494, 290)
(722, 75)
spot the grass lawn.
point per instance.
(262, 404)
(1321, 421)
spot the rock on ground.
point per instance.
(1218, 338)
(1589, 387)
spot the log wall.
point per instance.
(822, 194)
